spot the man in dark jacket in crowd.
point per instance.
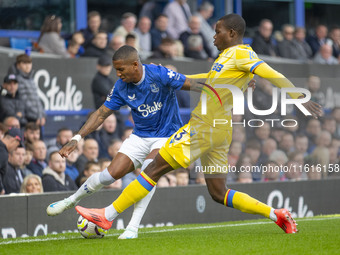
(102, 83)
(11, 140)
(28, 89)
(10, 101)
(263, 43)
(54, 177)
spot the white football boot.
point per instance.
(59, 206)
(129, 233)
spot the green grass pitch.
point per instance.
(317, 235)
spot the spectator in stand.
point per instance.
(128, 24)
(194, 29)
(325, 55)
(304, 52)
(93, 25)
(329, 124)
(159, 32)
(336, 115)
(242, 165)
(38, 163)
(268, 146)
(130, 40)
(54, 177)
(294, 172)
(182, 176)
(179, 13)
(143, 32)
(3, 130)
(165, 50)
(324, 139)
(71, 170)
(64, 135)
(287, 143)
(234, 153)
(50, 40)
(253, 150)
(263, 42)
(79, 39)
(313, 85)
(22, 68)
(287, 48)
(32, 185)
(205, 11)
(98, 46)
(11, 140)
(102, 83)
(244, 177)
(90, 168)
(114, 147)
(301, 144)
(27, 160)
(116, 42)
(263, 97)
(279, 157)
(14, 176)
(319, 39)
(107, 133)
(31, 134)
(272, 172)
(73, 49)
(90, 153)
(11, 122)
(10, 100)
(262, 133)
(335, 37)
(313, 130)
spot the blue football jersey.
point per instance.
(152, 101)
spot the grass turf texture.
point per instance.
(317, 235)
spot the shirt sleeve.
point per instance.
(170, 78)
(247, 60)
(113, 100)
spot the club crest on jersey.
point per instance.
(132, 98)
(154, 88)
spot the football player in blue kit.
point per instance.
(149, 90)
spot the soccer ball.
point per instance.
(89, 230)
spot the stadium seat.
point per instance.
(20, 43)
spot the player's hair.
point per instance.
(126, 52)
(235, 22)
(23, 58)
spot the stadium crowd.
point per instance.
(256, 153)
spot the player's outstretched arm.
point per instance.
(92, 123)
(279, 80)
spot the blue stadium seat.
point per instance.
(20, 43)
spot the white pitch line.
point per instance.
(160, 230)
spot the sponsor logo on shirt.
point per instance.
(146, 109)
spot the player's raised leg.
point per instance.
(131, 230)
(120, 166)
(245, 203)
(134, 192)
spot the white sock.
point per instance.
(110, 213)
(139, 210)
(140, 206)
(94, 183)
(272, 215)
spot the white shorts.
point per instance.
(138, 148)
